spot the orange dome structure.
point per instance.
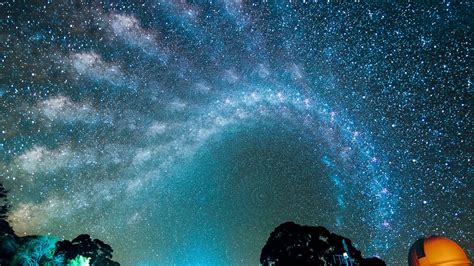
(439, 251)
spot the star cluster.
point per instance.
(183, 133)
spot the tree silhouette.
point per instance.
(5, 228)
(293, 244)
(99, 252)
(8, 239)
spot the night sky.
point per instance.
(184, 133)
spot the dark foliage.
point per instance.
(99, 252)
(5, 228)
(293, 244)
(8, 239)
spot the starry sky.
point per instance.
(183, 133)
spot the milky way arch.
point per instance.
(357, 172)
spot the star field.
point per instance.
(183, 133)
